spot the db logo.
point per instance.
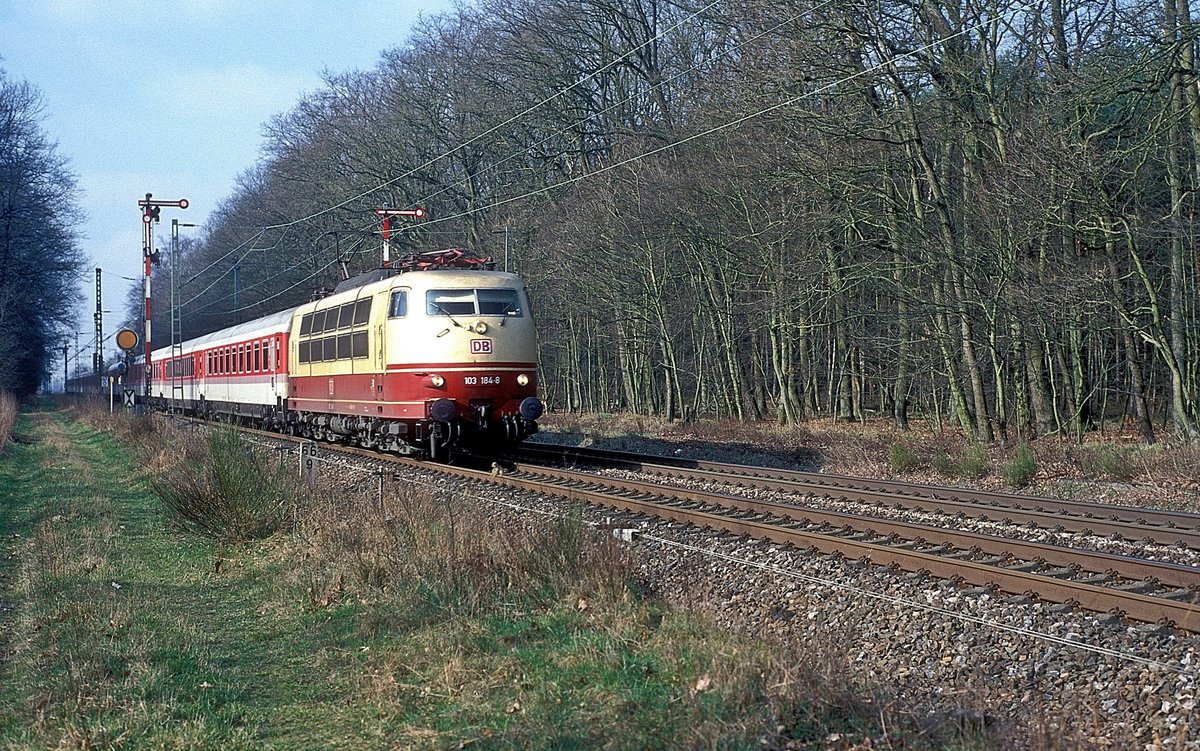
(481, 346)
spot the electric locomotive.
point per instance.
(435, 356)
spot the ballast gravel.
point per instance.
(926, 647)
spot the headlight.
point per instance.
(480, 328)
(437, 381)
(522, 380)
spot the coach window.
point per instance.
(399, 304)
(257, 356)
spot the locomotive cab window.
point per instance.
(450, 302)
(494, 301)
(499, 302)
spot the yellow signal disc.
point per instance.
(127, 339)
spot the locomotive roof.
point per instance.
(452, 277)
(281, 321)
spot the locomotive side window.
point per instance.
(339, 345)
(399, 304)
(362, 312)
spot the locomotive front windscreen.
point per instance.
(493, 301)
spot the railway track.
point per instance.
(1127, 587)
(1133, 524)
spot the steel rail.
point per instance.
(1088, 596)
(1127, 522)
(1096, 562)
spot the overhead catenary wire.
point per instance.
(732, 123)
(516, 153)
(528, 110)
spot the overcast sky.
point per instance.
(170, 98)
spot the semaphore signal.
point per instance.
(387, 215)
(151, 209)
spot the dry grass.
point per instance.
(1111, 468)
(449, 572)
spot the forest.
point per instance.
(979, 213)
(41, 260)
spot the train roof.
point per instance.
(275, 323)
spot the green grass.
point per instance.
(120, 630)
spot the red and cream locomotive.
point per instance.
(435, 356)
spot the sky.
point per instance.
(170, 98)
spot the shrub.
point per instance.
(944, 464)
(970, 465)
(901, 458)
(1112, 462)
(974, 464)
(1021, 470)
(218, 486)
